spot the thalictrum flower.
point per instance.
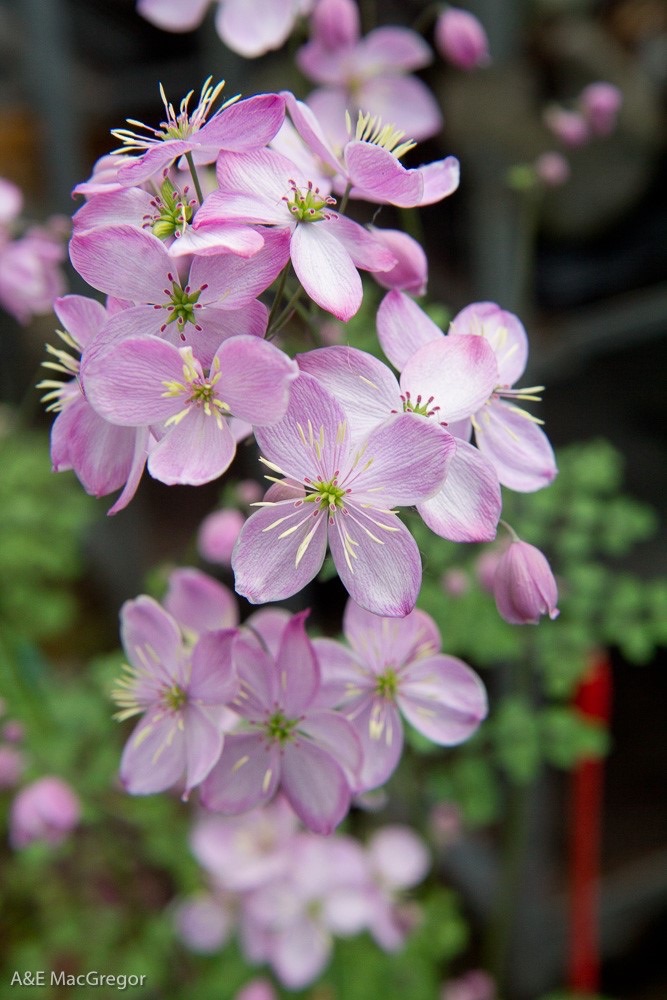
(290, 743)
(524, 586)
(46, 810)
(442, 384)
(461, 39)
(394, 668)
(370, 74)
(368, 162)
(183, 692)
(202, 132)
(342, 490)
(507, 436)
(326, 248)
(213, 299)
(197, 415)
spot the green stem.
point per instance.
(285, 314)
(195, 177)
(278, 296)
(344, 200)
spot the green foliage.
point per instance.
(43, 517)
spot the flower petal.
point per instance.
(255, 379)
(195, 450)
(315, 786)
(442, 698)
(468, 505)
(199, 602)
(517, 448)
(297, 667)
(459, 373)
(154, 756)
(246, 775)
(403, 328)
(503, 330)
(325, 269)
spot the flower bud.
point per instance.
(461, 39)
(568, 126)
(46, 810)
(217, 535)
(600, 104)
(552, 169)
(524, 586)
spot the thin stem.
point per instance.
(346, 197)
(195, 177)
(285, 314)
(278, 296)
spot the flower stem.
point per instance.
(277, 297)
(195, 177)
(346, 197)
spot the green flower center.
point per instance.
(308, 205)
(328, 495)
(182, 304)
(419, 405)
(386, 685)
(173, 212)
(175, 697)
(280, 729)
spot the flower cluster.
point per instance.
(246, 712)
(288, 893)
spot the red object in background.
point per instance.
(593, 700)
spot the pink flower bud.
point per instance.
(600, 104)
(218, 533)
(524, 586)
(461, 39)
(455, 582)
(410, 273)
(249, 491)
(552, 169)
(257, 989)
(203, 924)
(335, 23)
(475, 985)
(46, 810)
(568, 126)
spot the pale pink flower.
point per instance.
(475, 985)
(288, 742)
(257, 989)
(393, 668)
(197, 414)
(569, 126)
(552, 169)
(46, 810)
(369, 74)
(12, 766)
(248, 27)
(461, 39)
(340, 489)
(199, 603)
(182, 692)
(204, 923)
(524, 585)
(441, 384)
(237, 126)
(398, 861)
(31, 275)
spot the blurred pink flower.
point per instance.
(461, 39)
(204, 923)
(475, 985)
(46, 810)
(12, 766)
(600, 104)
(218, 533)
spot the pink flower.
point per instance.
(257, 989)
(524, 586)
(509, 436)
(600, 104)
(461, 39)
(552, 169)
(203, 923)
(410, 273)
(46, 810)
(475, 985)
(394, 668)
(340, 489)
(441, 384)
(12, 766)
(183, 693)
(248, 27)
(212, 299)
(568, 126)
(237, 125)
(31, 275)
(197, 415)
(289, 743)
(103, 456)
(217, 535)
(367, 161)
(369, 74)
(326, 249)
(199, 603)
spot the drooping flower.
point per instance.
(443, 385)
(326, 249)
(341, 489)
(508, 437)
(524, 586)
(394, 668)
(236, 125)
(218, 533)
(182, 692)
(197, 415)
(289, 742)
